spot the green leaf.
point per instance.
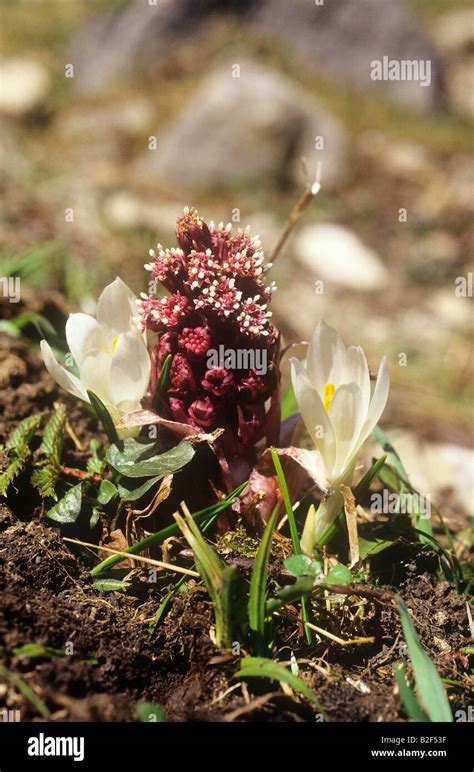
(218, 578)
(158, 466)
(111, 585)
(290, 593)
(258, 587)
(107, 492)
(149, 712)
(338, 575)
(302, 565)
(68, 509)
(392, 454)
(96, 463)
(44, 479)
(429, 686)
(377, 538)
(19, 446)
(202, 516)
(162, 384)
(25, 432)
(34, 650)
(136, 493)
(13, 470)
(52, 443)
(26, 691)
(407, 698)
(261, 667)
(104, 416)
(360, 490)
(363, 486)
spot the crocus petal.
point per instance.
(63, 378)
(116, 307)
(326, 356)
(95, 374)
(313, 414)
(379, 400)
(83, 333)
(130, 370)
(356, 370)
(347, 419)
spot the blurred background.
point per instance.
(117, 113)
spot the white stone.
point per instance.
(335, 254)
(24, 84)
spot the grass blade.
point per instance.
(407, 698)
(295, 539)
(202, 516)
(429, 686)
(261, 667)
(258, 587)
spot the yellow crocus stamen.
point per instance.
(114, 346)
(329, 391)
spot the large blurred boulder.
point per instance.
(343, 38)
(339, 37)
(237, 129)
(142, 33)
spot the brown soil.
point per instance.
(46, 597)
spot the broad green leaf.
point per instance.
(132, 494)
(107, 492)
(429, 686)
(158, 466)
(68, 509)
(266, 668)
(302, 565)
(338, 575)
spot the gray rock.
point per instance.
(121, 43)
(239, 129)
(340, 38)
(343, 37)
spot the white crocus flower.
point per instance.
(334, 398)
(110, 353)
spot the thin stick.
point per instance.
(139, 558)
(336, 639)
(296, 213)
